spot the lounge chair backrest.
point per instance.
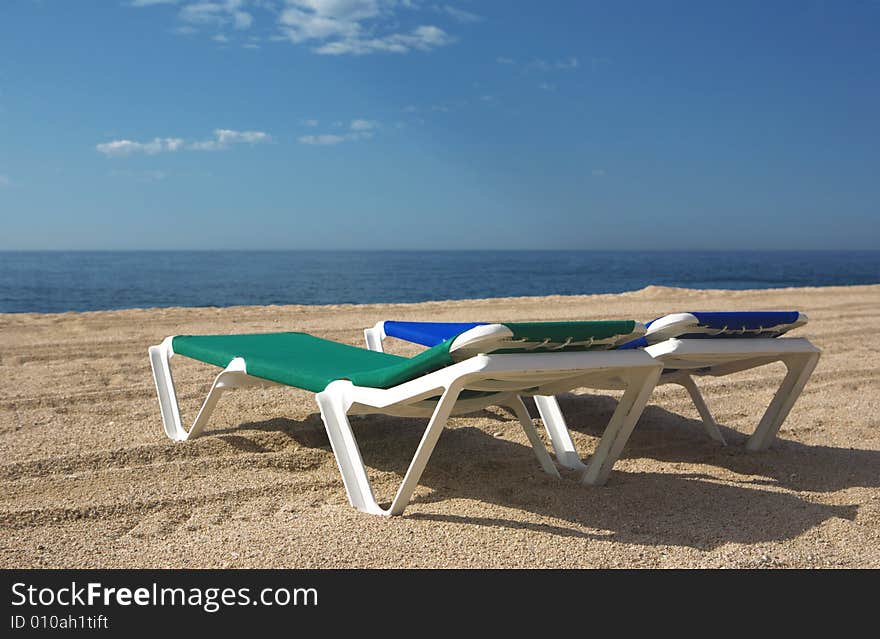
(469, 339)
(537, 337)
(698, 325)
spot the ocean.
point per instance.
(52, 282)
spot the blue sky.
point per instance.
(462, 124)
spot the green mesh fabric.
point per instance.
(559, 332)
(309, 362)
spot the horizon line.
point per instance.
(435, 250)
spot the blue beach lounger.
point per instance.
(688, 345)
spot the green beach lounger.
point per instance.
(487, 365)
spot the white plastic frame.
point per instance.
(622, 372)
(685, 358)
(508, 376)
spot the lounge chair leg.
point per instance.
(557, 430)
(800, 367)
(334, 403)
(528, 426)
(159, 362)
(629, 409)
(426, 447)
(160, 357)
(709, 422)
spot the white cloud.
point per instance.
(140, 176)
(598, 172)
(222, 139)
(349, 27)
(5, 181)
(547, 86)
(422, 38)
(242, 20)
(228, 136)
(150, 3)
(328, 27)
(322, 140)
(217, 14)
(119, 148)
(203, 13)
(363, 125)
(503, 60)
(300, 26)
(220, 38)
(341, 9)
(358, 129)
(465, 17)
(568, 64)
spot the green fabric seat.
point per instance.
(311, 363)
(305, 361)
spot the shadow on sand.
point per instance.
(669, 437)
(655, 508)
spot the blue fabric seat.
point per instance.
(428, 333)
(719, 325)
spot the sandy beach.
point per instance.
(89, 479)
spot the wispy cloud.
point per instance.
(424, 38)
(363, 125)
(328, 27)
(220, 13)
(118, 148)
(460, 15)
(358, 129)
(140, 176)
(547, 86)
(504, 60)
(446, 107)
(5, 181)
(598, 172)
(322, 140)
(222, 139)
(150, 3)
(568, 64)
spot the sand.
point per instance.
(89, 479)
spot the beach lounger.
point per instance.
(688, 345)
(486, 365)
